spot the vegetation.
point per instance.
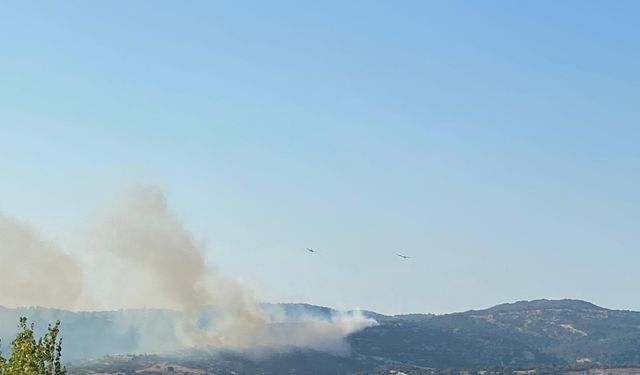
(34, 357)
(554, 337)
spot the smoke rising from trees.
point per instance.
(138, 254)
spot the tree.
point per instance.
(31, 357)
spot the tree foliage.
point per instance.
(34, 357)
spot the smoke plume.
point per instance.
(138, 254)
(33, 270)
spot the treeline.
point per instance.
(34, 357)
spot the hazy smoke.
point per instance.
(138, 254)
(320, 334)
(149, 259)
(33, 270)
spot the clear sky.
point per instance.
(495, 142)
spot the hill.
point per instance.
(521, 334)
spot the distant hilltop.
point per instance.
(574, 304)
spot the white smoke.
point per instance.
(320, 334)
(138, 254)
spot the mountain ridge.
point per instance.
(519, 334)
(565, 303)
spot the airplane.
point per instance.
(403, 256)
(311, 250)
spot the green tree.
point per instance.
(31, 357)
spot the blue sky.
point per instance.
(495, 142)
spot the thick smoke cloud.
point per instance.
(33, 270)
(138, 254)
(151, 260)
